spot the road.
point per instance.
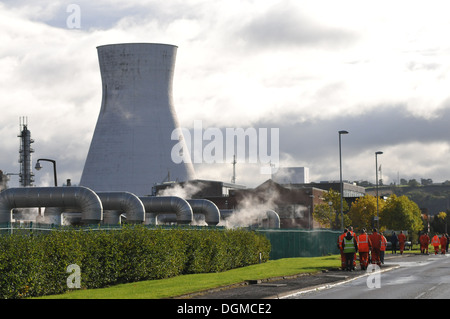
(417, 277)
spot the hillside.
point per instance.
(430, 198)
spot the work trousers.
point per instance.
(376, 256)
(424, 248)
(436, 250)
(342, 259)
(349, 259)
(443, 250)
(402, 248)
(364, 259)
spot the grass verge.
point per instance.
(185, 284)
(180, 285)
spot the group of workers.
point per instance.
(371, 248)
(436, 241)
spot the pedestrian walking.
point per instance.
(448, 240)
(363, 249)
(375, 240)
(341, 249)
(350, 229)
(382, 247)
(394, 241)
(401, 241)
(443, 242)
(435, 242)
(349, 247)
(424, 241)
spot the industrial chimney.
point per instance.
(26, 173)
(131, 146)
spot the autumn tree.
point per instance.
(439, 222)
(363, 212)
(401, 213)
(329, 215)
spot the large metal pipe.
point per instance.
(169, 204)
(207, 208)
(125, 202)
(82, 198)
(274, 219)
(199, 206)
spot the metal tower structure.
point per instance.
(26, 174)
(131, 146)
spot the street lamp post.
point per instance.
(38, 167)
(376, 176)
(340, 173)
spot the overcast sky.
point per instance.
(380, 70)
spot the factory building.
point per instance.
(294, 205)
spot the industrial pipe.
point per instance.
(118, 202)
(274, 219)
(169, 204)
(271, 215)
(80, 197)
(207, 208)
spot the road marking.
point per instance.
(423, 293)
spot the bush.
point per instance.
(34, 264)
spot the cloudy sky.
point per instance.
(309, 68)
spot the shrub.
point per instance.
(34, 264)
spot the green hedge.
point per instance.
(34, 264)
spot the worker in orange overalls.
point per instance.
(435, 242)
(375, 239)
(382, 248)
(424, 242)
(339, 245)
(363, 249)
(401, 241)
(443, 241)
(350, 229)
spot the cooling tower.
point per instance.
(131, 146)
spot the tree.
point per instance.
(426, 181)
(329, 216)
(439, 223)
(400, 213)
(413, 183)
(363, 211)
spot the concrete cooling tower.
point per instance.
(131, 146)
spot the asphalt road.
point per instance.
(407, 276)
(415, 277)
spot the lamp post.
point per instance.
(340, 173)
(376, 176)
(38, 167)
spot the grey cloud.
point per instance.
(316, 141)
(284, 26)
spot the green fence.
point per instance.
(287, 243)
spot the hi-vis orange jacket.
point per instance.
(383, 243)
(363, 243)
(435, 241)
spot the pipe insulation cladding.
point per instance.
(81, 198)
(199, 206)
(207, 208)
(124, 202)
(169, 204)
(131, 146)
